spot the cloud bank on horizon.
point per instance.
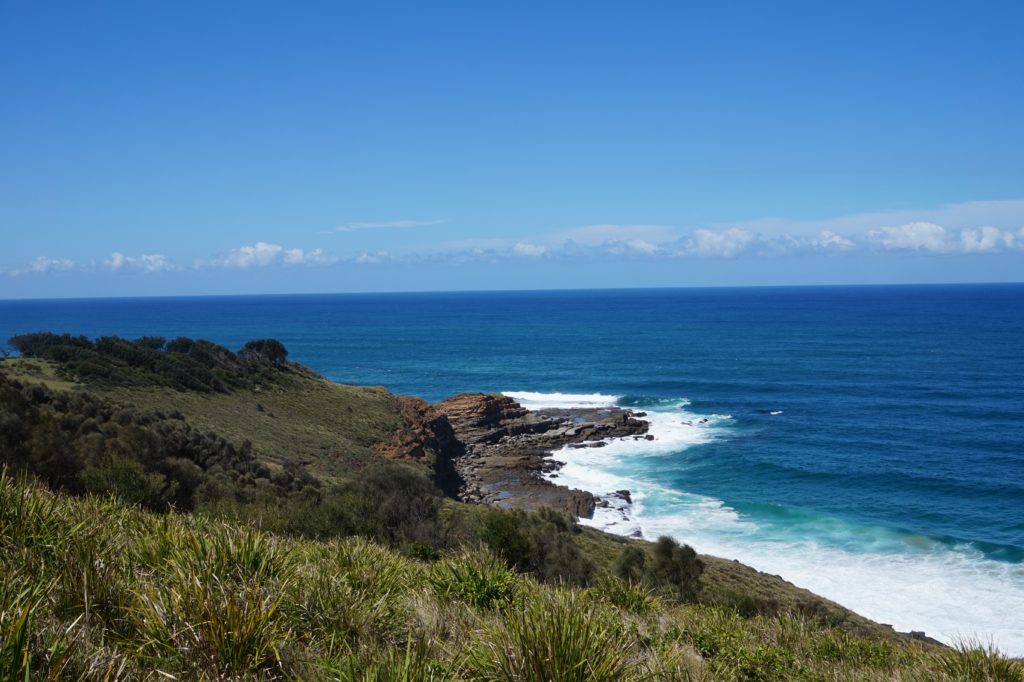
(973, 228)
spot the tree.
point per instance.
(266, 351)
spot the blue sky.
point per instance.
(206, 148)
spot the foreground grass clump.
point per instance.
(95, 589)
(558, 636)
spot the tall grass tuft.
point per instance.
(211, 626)
(476, 577)
(972, 660)
(557, 636)
(412, 663)
(218, 550)
(627, 595)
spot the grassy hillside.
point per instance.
(95, 589)
(326, 427)
(286, 412)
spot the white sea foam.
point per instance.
(950, 593)
(540, 401)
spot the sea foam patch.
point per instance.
(540, 401)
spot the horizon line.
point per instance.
(517, 290)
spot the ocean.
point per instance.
(866, 443)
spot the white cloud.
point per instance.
(373, 258)
(259, 254)
(529, 250)
(830, 241)
(263, 254)
(147, 262)
(986, 239)
(42, 264)
(116, 261)
(302, 257)
(710, 244)
(915, 236)
(932, 238)
(643, 246)
(388, 224)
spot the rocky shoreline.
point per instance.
(506, 449)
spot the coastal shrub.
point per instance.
(540, 543)
(182, 363)
(128, 481)
(266, 351)
(629, 565)
(151, 342)
(713, 632)
(80, 443)
(400, 502)
(676, 566)
(555, 636)
(392, 502)
(504, 533)
(476, 577)
(671, 567)
(743, 603)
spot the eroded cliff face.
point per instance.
(481, 418)
(426, 436)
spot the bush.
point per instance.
(629, 566)
(677, 567)
(79, 443)
(395, 503)
(265, 351)
(539, 543)
(129, 482)
(671, 567)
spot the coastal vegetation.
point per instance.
(176, 510)
(94, 588)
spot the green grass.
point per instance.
(329, 428)
(94, 589)
(31, 370)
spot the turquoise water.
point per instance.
(864, 442)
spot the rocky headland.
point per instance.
(491, 450)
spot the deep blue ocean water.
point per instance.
(864, 442)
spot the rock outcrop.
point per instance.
(505, 449)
